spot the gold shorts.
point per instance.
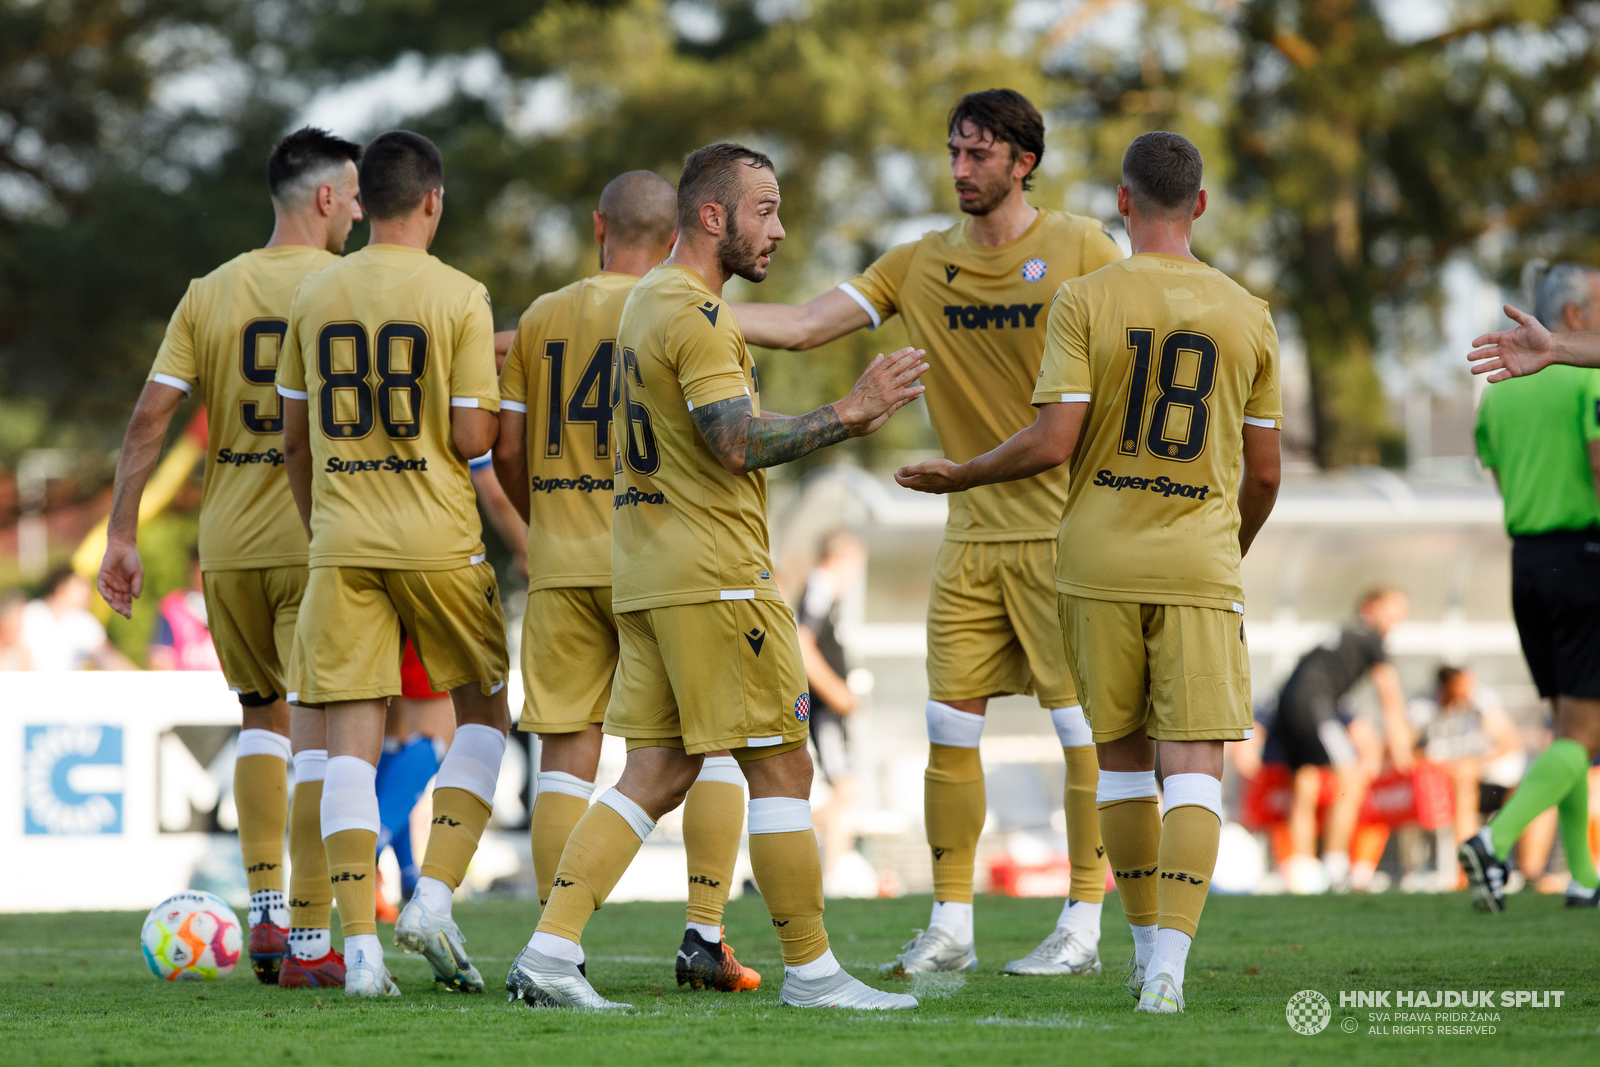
(724, 674)
(252, 615)
(1179, 673)
(569, 654)
(992, 623)
(348, 643)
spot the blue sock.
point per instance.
(409, 873)
(401, 787)
(386, 761)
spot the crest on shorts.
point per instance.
(802, 707)
(1033, 270)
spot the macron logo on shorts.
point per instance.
(756, 639)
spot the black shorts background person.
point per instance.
(839, 563)
(1313, 735)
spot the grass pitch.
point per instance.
(77, 991)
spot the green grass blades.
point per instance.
(78, 992)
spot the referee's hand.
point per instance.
(1513, 353)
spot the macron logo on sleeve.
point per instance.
(709, 310)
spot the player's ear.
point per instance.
(1124, 201)
(1199, 206)
(599, 229)
(1022, 166)
(711, 218)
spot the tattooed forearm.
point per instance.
(746, 442)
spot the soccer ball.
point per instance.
(191, 936)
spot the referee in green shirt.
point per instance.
(1541, 436)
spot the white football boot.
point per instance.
(1133, 981)
(1063, 952)
(1160, 995)
(364, 978)
(840, 990)
(541, 981)
(931, 950)
(439, 940)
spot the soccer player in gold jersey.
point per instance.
(388, 380)
(1160, 385)
(976, 296)
(708, 658)
(224, 339)
(554, 459)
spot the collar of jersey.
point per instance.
(395, 248)
(983, 249)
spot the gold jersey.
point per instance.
(979, 311)
(1174, 359)
(684, 530)
(381, 346)
(224, 339)
(559, 372)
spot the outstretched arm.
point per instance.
(1530, 348)
(121, 576)
(1047, 443)
(816, 322)
(744, 441)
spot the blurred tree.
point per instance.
(1383, 148)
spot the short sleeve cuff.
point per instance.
(175, 383)
(293, 394)
(713, 396)
(866, 305)
(512, 405)
(1053, 396)
(475, 402)
(1265, 424)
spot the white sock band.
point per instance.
(1201, 790)
(821, 967)
(721, 769)
(562, 782)
(311, 765)
(1071, 727)
(1125, 785)
(779, 815)
(631, 813)
(349, 796)
(956, 729)
(262, 743)
(556, 947)
(473, 762)
(707, 932)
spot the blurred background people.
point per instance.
(62, 635)
(1462, 726)
(14, 655)
(1313, 734)
(182, 637)
(840, 560)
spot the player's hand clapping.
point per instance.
(930, 476)
(888, 384)
(1527, 349)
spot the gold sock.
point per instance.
(261, 793)
(1189, 835)
(713, 818)
(1084, 850)
(599, 849)
(788, 870)
(954, 807)
(353, 870)
(459, 817)
(1131, 830)
(310, 893)
(554, 816)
